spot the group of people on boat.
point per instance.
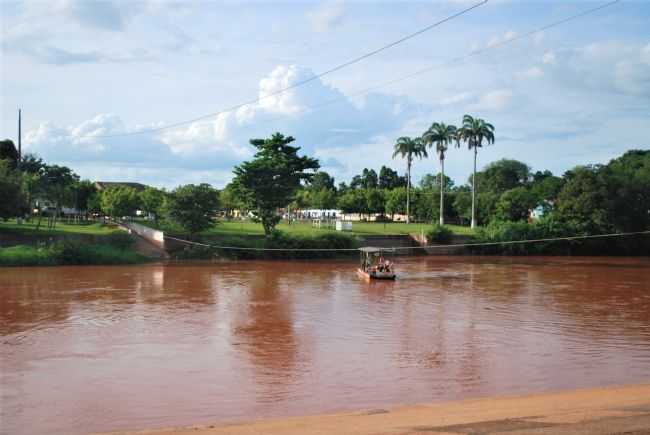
(383, 265)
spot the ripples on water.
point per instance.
(104, 348)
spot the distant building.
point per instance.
(103, 185)
(536, 213)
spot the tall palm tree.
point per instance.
(409, 147)
(474, 131)
(441, 135)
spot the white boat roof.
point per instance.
(371, 249)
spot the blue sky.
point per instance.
(575, 94)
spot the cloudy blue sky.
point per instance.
(574, 94)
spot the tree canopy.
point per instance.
(193, 207)
(271, 179)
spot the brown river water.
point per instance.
(87, 349)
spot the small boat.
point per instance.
(373, 265)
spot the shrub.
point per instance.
(439, 234)
(277, 240)
(120, 240)
(195, 252)
(67, 253)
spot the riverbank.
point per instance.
(66, 253)
(80, 243)
(606, 410)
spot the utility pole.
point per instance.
(20, 148)
(19, 219)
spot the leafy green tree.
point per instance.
(503, 175)
(321, 180)
(390, 179)
(94, 203)
(322, 199)
(32, 164)
(432, 182)
(545, 187)
(515, 204)
(582, 201)
(12, 196)
(351, 201)
(409, 148)
(374, 201)
(152, 201)
(301, 199)
(57, 184)
(9, 153)
(271, 179)
(463, 203)
(473, 132)
(366, 180)
(229, 200)
(395, 201)
(119, 201)
(424, 205)
(82, 193)
(440, 135)
(628, 181)
(193, 207)
(487, 207)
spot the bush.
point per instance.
(121, 241)
(277, 240)
(80, 254)
(547, 228)
(67, 253)
(23, 255)
(439, 234)
(195, 252)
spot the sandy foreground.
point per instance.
(609, 410)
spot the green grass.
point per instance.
(22, 255)
(29, 228)
(248, 228)
(67, 254)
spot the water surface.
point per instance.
(89, 349)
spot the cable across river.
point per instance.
(398, 248)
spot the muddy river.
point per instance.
(86, 349)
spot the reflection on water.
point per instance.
(104, 348)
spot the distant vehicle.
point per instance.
(373, 265)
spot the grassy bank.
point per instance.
(30, 228)
(249, 228)
(291, 243)
(117, 250)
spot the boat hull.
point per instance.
(376, 275)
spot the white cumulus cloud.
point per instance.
(494, 100)
(533, 72)
(326, 16)
(319, 116)
(549, 58)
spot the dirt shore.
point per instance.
(608, 410)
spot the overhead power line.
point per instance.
(299, 83)
(419, 72)
(384, 84)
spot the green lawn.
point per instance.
(61, 228)
(238, 228)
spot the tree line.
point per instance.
(587, 199)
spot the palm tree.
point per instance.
(409, 147)
(441, 135)
(474, 131)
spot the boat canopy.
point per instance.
(372, 249)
